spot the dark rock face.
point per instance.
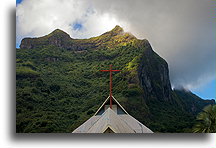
(27, 43)
(153, 74)
(59, 40)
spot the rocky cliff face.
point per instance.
(153, 75)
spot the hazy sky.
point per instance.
(181, 31)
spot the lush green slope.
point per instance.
(59, 85)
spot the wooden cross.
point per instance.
(110, 70)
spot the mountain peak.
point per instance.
(57, 38)
(117, 29)
(58, 32)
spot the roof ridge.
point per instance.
(105, 103)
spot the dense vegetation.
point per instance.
(206, 122)
(58, 88)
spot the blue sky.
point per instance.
(18, 1)
(206, 91)
(77, 26)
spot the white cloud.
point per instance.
(182, 32)
(38, 18)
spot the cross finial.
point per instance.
(110, 70)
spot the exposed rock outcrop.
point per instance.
(57, 38)
(153, 74)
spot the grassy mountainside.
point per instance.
(59, 85)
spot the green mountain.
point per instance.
(59, 85)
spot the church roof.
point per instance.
(116, 120)
(111, 120)
(107, 101)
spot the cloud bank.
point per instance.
(182, 32)
(37, 18)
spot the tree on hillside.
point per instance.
(206, 120)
